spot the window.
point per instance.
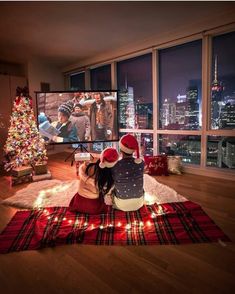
(180, 82)
(134, 78)
(145, 141)
(186, 146)
(223, 82)
(221, 151)
(101, 78)
(77, 81)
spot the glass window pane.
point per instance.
(134, 78)
(77, 81)
(187, 146)
(221, 151)
(145, 142)
(101, 78)
(180, 70)
(223, 82)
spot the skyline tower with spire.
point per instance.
(217, 93)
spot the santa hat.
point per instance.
(129, 145)
(108, 157)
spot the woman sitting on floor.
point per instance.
(95, 182)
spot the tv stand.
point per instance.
(82, 149)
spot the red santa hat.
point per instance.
(108, 157)
(129, 145)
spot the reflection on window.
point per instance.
(77, 81)
(145, 142)
(221, 151)
(188, 147)
(101, 78)
(135, 93)
(223, 82)
(180, 70)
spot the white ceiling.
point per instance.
(68, 32)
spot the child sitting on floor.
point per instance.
(95, 182)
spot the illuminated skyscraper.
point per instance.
(216, 98)
(144, 115)
(193, 108)
(168, 113)
(126, 107)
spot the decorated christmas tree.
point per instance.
(24, 145)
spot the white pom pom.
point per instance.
(102, 165)
(138, 160)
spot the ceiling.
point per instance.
(64, 33)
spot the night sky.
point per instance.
(179, 66)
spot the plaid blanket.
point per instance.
(171, 223)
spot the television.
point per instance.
(78, 117)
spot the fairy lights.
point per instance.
(135, 225)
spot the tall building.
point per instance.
(227, 116)
(193, 108)
(144, 115)
(126, 108)
(168, 114)
(216, 98)
(181, 111)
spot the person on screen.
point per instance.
(78, 97)
(67, 131)
(82, 122)
(95, 182)
(101, 119)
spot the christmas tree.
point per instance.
(24, 145)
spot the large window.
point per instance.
(223, 82)
(187, 146)
(77, 81)
(180, 70)
(101, 78)
(134, 78)
(179, 128)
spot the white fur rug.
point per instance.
(51, 193)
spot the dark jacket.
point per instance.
(67, 131)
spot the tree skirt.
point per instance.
(51, 193)
(170, 223)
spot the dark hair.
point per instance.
(103, 177)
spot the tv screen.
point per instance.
(77, 117)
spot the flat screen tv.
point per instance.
(77, 117)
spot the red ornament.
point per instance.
(17, 100)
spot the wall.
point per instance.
(40, 71)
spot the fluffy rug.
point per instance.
(51, 193)
(157, 224)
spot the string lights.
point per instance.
(128, 226)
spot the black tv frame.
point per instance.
(87, 91)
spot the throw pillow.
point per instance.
(156, 165)
(174, 165)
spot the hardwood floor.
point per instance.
(197, 268)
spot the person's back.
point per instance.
(94, 183)
(128, 176)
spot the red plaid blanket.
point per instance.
(171, 223)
